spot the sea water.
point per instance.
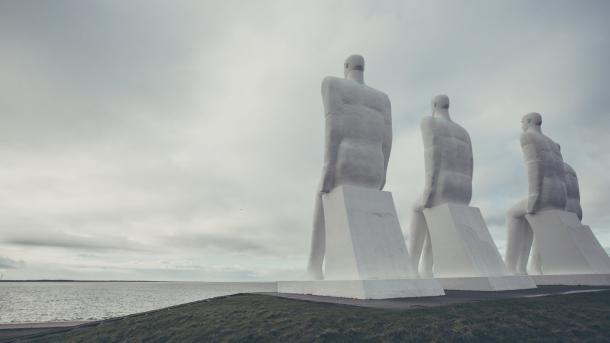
(25, 302)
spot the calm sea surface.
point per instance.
(22, 302)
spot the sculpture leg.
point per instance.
(535, 263)
(526, 247)
(425, 265)
(318, 242)
(417, 236)
(517, 228)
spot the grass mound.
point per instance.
(581, 317)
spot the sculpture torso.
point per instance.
(545, 167)
(359, 116)
(448, 154)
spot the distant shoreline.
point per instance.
(61, 280)
(64, 280)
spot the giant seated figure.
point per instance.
(547, 190)
(547, 224)
(448, 238)
(448, 177)
(356, 234)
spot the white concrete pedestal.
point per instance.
(568, 251)
(366, 256)
(363, 236)
(464, 254)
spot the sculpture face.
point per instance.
(354, 62)
(440, 102)
(531, 119)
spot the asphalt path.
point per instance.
(451, 297)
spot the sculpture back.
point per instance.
(545, 165)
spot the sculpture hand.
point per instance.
(532, 204)
(327, 184)
(420, 204)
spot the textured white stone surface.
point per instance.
(564, 246)
(363, 236)
(365, 289)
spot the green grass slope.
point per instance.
(583, 317)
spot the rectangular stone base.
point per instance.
(573, 279)
(365, 289)
(461, 244)
(492, 283)
(565, 246)
(363, 236)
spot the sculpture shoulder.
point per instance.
(531, 137)
(427, 123)
(331, 81)
(432, 124)
(336, 83)
(460, 132)
(428, 131)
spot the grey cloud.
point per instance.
(218, 242)
(236, 243)
(70, 241)
(7, 263)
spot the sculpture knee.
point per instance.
(519, 210)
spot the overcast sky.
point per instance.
(175, 140)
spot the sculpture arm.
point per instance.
(533, 160)
(432, 158)
(572, 183)
(578, 207)
(471, 159)
(333, 135)
(387, 140)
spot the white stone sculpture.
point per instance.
(547, 190)
(356, 234)
(448, 238)
(357, 147)
(548, 222)
(448, 178)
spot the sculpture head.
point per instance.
(531, 120)
(440, 105)
(354, 68)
